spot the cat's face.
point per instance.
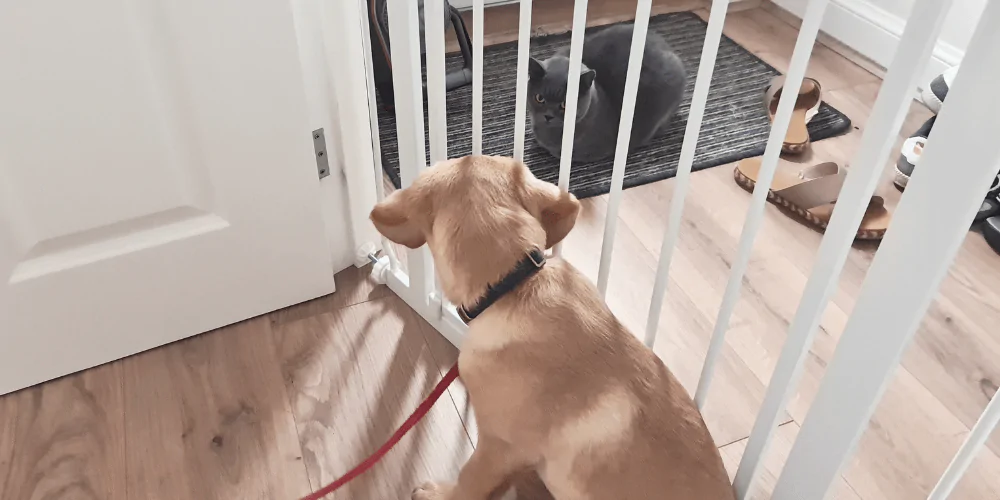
(547, 90)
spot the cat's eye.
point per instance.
(539, 99)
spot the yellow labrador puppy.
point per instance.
(558, 385)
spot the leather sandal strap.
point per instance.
(817, 90)
(809, 86)
(771, 92)
(820, 186)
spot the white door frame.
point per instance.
(330, 45)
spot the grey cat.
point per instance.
(602, 90)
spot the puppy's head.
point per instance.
(478, 215)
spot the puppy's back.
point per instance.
(637, 432)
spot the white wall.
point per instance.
(873, 28)
(959, 24)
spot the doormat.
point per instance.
(735, 124)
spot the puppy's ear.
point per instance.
(393, 217)
(556, 210)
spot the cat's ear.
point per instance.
(587, 79)
(535, 69)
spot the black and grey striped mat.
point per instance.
(735, 125)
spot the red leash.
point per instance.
(370, 462)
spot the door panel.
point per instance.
(156, 177)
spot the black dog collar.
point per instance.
(526, 268)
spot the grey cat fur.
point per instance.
(602, 91)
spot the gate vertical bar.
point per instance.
(477, 77)
(436, 107)
(955, 172)
(967, 453)
(572, 95)
(635, 57)
(521, 98)
(404, 42)
(366, 42)
(706, 68)
(887, 116)
(437, 110)
(782, 118)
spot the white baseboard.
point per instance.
(874, 33)
(467, 4)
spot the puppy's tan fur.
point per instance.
(558, 385)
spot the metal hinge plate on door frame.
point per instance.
(319, 146)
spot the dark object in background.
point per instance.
(378, 19)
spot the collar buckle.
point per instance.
(537, 257)
(463, 315)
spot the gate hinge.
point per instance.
(319, 146)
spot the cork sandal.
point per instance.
(811, 195)
(806, 107)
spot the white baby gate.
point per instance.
(927, 230)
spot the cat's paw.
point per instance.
(432, 491)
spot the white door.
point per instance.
(156, 177)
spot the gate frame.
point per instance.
(815, 460)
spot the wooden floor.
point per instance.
(273, 407)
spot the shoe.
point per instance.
(811, 195)
(991, 231)
(989, 210)
(934, 92)
(910, 153)
(991, 205)
(989, 215)
(807, 103)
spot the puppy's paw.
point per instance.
(432, 491)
